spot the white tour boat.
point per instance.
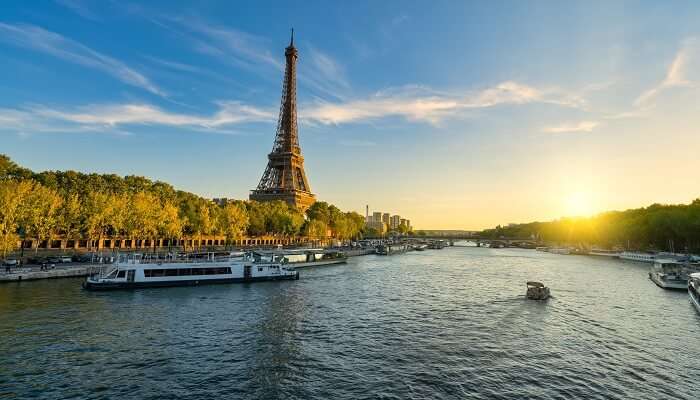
(604, 253)
(560, 250)
(637, 256)
(304, 258)
(669, 274)
(133, 271)
(694, 289)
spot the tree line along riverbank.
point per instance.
(79, 206)
(674, 228)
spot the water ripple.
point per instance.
(450, 324)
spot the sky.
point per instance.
(453, 114)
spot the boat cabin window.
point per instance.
(156, 273)
(121, 274)
(260, 269)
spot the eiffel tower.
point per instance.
(284, 178)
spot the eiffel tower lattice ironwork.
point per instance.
(285, 178)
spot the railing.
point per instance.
(173, 258)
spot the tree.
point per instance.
(281, 219)
(357, 223)
(12, 196)
(41, 213)
(316, 229)
(10, 170)
(205, 223)
(319, 212)
(71, 216)
(143, 216)
(256, 218)
(97, 213)
(371, 233)
(169, 222)
(233, 220)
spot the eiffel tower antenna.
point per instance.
(284, 177)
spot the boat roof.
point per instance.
(295, 251)
(535, 284)
(667, 261)
(695, 275)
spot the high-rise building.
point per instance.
(395, 221)
(285, 178)
(376, 216)
(386, 218)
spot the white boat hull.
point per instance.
(317, 263)
(695, 300)
(668, 284)
(134, 274)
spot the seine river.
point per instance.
(439, 324)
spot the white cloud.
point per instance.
(192, 69)
(321, 73)
(324, 73)
(48, 42)
(110, 117)
(228, 113)
(582, 126)
(230, 45)
(421, 104)
(675, 74)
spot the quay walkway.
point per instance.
(33, 273)
(29, 273)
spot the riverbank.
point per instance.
(359, 252)
(72, 271)
(30, 274)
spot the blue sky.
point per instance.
(454, 114)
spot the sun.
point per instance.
(578, 204)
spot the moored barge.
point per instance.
(133, 271)
(304, 258)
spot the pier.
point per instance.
(34, 273)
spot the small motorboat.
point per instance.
(537, 291)
(694, 289)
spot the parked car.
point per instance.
(66, 259)
(83, 258)
(53, 260)
(10, 262)
(36, 260)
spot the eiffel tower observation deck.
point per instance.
(284, 177)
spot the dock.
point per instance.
(31, 274)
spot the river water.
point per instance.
(439, 324)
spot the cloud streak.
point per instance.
(582, 126)
(113, 117)
(230, 45)
(324, 73)
(420, 104)
(676, 74)
(412, 103)
(321, 73)
(41, 40)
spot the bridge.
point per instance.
(480, 240)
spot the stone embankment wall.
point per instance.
(360, 252)
(28, 274)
